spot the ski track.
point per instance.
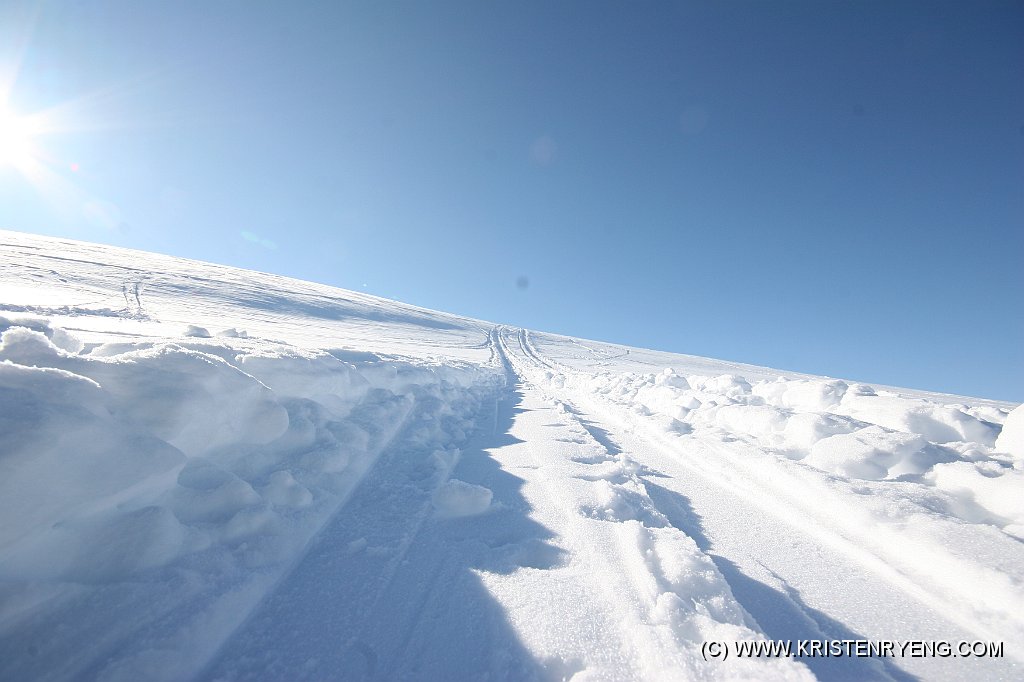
(387, 588)
(387, 604)
(785, 547)
(384, 605)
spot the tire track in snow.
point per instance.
(658, 597)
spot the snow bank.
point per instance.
(322, 379)
(845, 429)
(195, 401)
(214, 462)
(63, 449)
(937, 423)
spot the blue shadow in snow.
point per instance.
(390, 591)
(781, 614)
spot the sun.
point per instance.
(16, 139)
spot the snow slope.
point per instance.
(210, 473)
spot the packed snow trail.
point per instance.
(510, 558)
(792, 563)
(388, 586)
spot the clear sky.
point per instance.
(828, 187)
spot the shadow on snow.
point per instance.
(781, 614)
(389, 591)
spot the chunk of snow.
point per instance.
(28, 347)
(670, 378)
(729, 385)
(873, 453)
(457, 498)
(1011, 437)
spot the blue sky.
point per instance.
(835, 188)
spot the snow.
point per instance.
(457, 498)
(1011, 437)
(208, 473)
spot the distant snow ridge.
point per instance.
(142, 462)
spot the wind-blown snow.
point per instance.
(218, 474)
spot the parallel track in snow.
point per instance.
(799, 567)
(542, 585)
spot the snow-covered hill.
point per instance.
(212, 473)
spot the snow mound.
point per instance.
(872, 453)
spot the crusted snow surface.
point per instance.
(209, 473)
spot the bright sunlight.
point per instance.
(16, 135)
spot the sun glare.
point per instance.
(32, 164)
(16, 133)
